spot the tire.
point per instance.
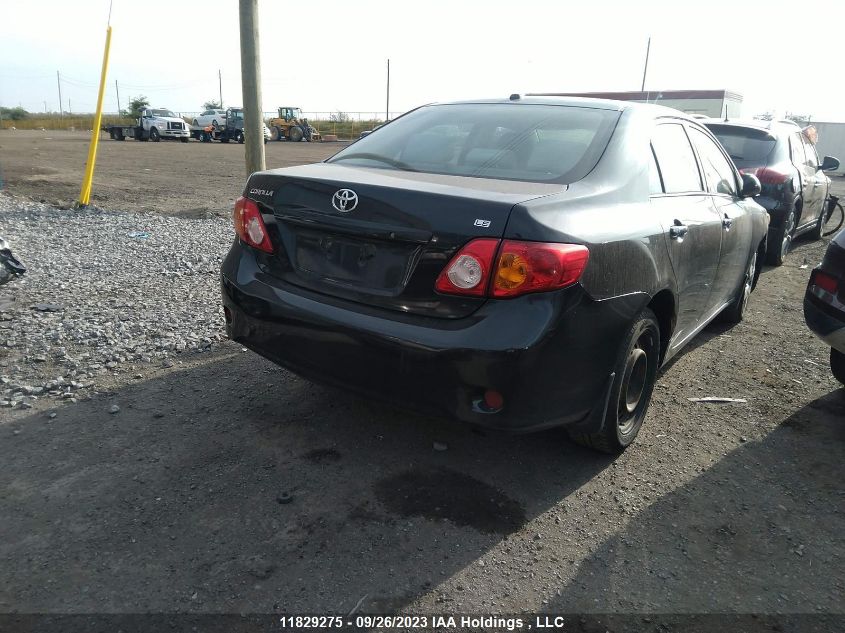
(214, 123)
(818, 230)
(636, 372)
(278, 135)
(779, 246)
(155, 137)
(735, 311)
(121, 137)
(195, 123)
(837, 365)
(294, 134)
(240, 138)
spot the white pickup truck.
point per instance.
(154, 124)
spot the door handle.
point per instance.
(678, 231)
(727, 222)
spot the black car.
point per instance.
(795, 189)
(519, 263)
(824, 304)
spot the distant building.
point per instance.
(710, 103)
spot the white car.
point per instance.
(210, 117)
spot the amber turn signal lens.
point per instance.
(525, 267)
(512, 272)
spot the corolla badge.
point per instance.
(261, 192)
(344, 200)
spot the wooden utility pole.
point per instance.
(251, 87)
(61, 105)
(387, 106)
(220, 86)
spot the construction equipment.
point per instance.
(291, 126)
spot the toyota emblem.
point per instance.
(344, 200)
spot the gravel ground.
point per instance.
(223, 483)
(104, 291)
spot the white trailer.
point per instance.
(831, 142)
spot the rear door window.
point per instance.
(675, 158)
(810, 151)
(718, 172)
(796, 149)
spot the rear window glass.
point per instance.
(746, 147)
(538, 143)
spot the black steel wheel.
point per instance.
(240, 138)
(635, 374)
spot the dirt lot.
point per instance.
(228, 485)
(192, 179)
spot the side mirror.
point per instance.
(829, 164)
(750, 186)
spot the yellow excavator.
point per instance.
(290, 126)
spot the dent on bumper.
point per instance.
(550, 359)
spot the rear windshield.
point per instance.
(538, 143)
(747, 147)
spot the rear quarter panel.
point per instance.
(609, 212)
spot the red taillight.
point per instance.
(519, 268)
(469, 271)
(249, 226)
(525, 267)
(826, 282)
(766, 175)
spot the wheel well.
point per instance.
(663, 306)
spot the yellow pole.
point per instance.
(85, 194)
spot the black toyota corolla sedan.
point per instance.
(519, 263)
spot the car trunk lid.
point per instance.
(385, 245)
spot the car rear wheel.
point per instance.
(818, 230)
(195, 123)
(837, 365)
(635, 374)
(735, 311)
(782, 242)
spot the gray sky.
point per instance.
(329, 55)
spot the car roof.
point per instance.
(582, 102)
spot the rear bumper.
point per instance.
(825, 321)
(549, 355)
